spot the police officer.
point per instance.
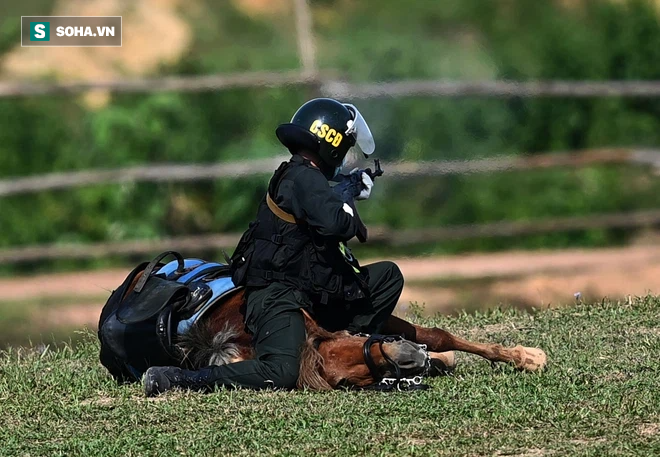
(294, 255)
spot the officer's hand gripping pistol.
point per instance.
(350, 186)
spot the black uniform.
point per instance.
(287, 266)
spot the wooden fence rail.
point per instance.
(204, 83)
(200, 172)
(192, 244)
(524, 89)
(328, 85)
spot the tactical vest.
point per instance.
(279, 248)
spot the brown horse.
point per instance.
(331, 360)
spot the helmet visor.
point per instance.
(360, 130)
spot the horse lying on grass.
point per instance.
(188, 313)
(334, 360)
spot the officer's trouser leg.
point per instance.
(277, 357)
(385, 286)
(278, 326)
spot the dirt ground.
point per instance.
(439, 284)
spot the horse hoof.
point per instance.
(530, 359)
(442, 363)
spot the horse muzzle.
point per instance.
(400, 357)
(411, 358)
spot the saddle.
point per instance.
(156, 304)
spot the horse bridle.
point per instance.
(399, 382)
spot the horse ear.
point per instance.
(310, 324)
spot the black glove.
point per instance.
(353, 186)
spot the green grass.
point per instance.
(598, 396)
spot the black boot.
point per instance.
(157, 380)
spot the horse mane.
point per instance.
(311, 361)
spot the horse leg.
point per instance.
(438, 340)
(442, 362)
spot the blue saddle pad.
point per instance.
(221, 287)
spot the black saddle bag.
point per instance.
(138, 320)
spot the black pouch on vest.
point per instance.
(240, 259)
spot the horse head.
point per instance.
(332, 360)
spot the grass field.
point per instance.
(598, 396)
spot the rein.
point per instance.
(388, 384)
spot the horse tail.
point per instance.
(202, 347)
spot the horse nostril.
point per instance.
(407, 355)
(415, 346)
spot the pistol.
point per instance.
(377, 172)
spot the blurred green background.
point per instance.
(357, 41)
(366, 40)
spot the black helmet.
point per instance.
(327, 128)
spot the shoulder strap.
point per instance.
(279, 212)
(276, 210)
